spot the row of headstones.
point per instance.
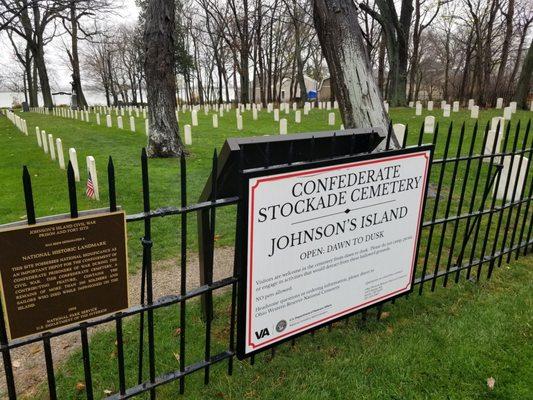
(514, 166)
(474, 109)
(55, 150)
(84, 116)
(17, 121)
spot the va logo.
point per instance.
(262, 333)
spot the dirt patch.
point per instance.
(28, 362)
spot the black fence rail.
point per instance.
(468, 231)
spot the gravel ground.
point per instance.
(28, 362)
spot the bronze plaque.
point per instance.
(63, 272)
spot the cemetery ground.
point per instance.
(455, 338)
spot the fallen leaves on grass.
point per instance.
(490, 383)
(80, 386)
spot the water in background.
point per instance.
(7, 99)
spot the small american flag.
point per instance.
(89, 191)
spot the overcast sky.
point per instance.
(59, 74)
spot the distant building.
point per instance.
(324, 90)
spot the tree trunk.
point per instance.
(38, 56)
(163, 140)
(524, 82)
(340, 37)
(74, 57)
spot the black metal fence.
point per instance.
(467, 233)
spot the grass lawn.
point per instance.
(442, 345)
(49, 182)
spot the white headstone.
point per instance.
(474, 112)
(411, 104)
(307, 107)
(489, 146)
(147, 127)
(60, 155)
(335, 104)
(283, 126)
(44, 140)
(429, 124)
(254, 113)
(430, 105)
(331, 119)
(442, 104)
(276, 114)
(298, 116)
(507, 113)
(91, 169)
(512, 104)
(119, 122)
(446, 110)
(418, 110)
(471, 103)
(98, 119)
(74, 162)
(51, 147)
(194, 118)
(38, 134)
(455, 106)
(329, 105)
(499, 103)
(239, 122)
(108, 121)
(188, 135)
(386, 106)
(399, 132)
(132, 124)
(515, 174)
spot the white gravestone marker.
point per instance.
(97, 119)
(430, 105)
(147, 127)
(254, 113)
(283, 126)
(474, 112)
(507, 113)
(429, 124)
(519, 168)
(44, 139)
(132, 124)
(276, 114)
(499, 103)
(188, 135)
(74, 162)
(194, 118)
(331, 119)
(298, 116)
(446, 110)
(108, 121)
(399, 132)
(119, 122)
(512, 104)
(471, 104)
(215, 120)
(60, 155)
(91, 169)
(51, 147)
(38, 134)
(418, 110)
(239, 122)
(455, 106)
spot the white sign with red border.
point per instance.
(325, 242)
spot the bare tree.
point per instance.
(164, 139)
(359, 99)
